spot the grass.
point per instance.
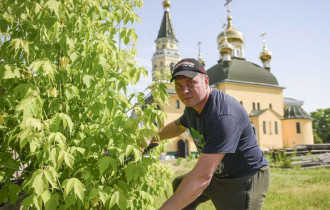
(299, 189)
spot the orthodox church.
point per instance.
(277, 122)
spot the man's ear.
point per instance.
(206, 81)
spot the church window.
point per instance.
(177, 104)
(270, 128)
(298, 127)
(237, 52)
(270, 106)
(276, 128)
(258, 105)
(254, 130)
(241, 102)
(264, 127)
(254, 106)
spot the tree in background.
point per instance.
(64, 70)
(321, 124)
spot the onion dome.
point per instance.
(293, 109)
(232, 34)
(166, 3)
(265, 55)
(226, 47)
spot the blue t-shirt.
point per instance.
(224, 127)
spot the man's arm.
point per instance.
(171, 130)
(194, 182)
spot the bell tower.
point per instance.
(167, 53)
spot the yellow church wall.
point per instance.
(290, 136)
(250, 94)
(270, 139)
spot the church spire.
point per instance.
(265, 55)
(166, 28)
(200, 59)
(167, 53)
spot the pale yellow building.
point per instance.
(278, 122)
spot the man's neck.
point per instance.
(199, 108)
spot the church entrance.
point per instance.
(183, 148)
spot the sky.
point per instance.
(297, 34)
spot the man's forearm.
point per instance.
(190, 188)
(169, 131)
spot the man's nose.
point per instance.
(186, 89)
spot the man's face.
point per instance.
(191, 91)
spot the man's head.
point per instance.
(187, 67)
(191, 84)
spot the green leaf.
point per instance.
(68, 158)
(69, 200)
(53, 202)
(88, 79)
(37, 203)
(9, 72)
(27, 202)
(75, 185)
(16, 44)
(4, 194)
(53, 5)
(114, 199)
(93, 193)
(45, 196)
(43, 68)
(13, 192)
(25, 90)
(66, 121)
(105, 162)
(71, 91)
(39, 182)
(50, 174)
(31, 107)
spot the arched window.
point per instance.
(237, 52)
(298, 127)
(177, 104)
(241, 102)
(270, 128)
(276, 128)
(264, 127)
(270, 106)
(254, 106)
(258, 105)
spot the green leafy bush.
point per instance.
(64, 70)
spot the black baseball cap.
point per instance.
(188, 67)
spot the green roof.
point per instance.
(240, 70)
(256, 113)
(166, 28)
(295, 112)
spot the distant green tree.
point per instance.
(321, 124)
(64, 106)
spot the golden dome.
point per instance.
(232, 34)
(225, 47)
(265, 55)
(166, 3)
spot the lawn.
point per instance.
(299, 189)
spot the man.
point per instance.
(231, 169)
